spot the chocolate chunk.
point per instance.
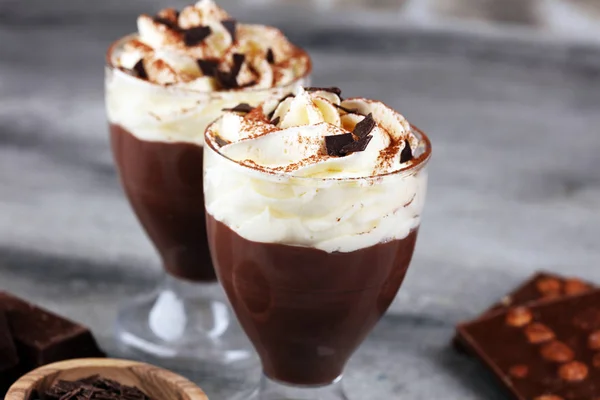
(42, 337)
(231, 26)
(194, 36)
(518, 316)
(335, 90)
(228, 80)
(208, 67)
(220, 141)
(93, 388)
(406, 154)
(275, 121)
(270, 56)
(167, 22)
(359, 145)
(347, 110)
(242, 107)
(9, 359)
(565, 367)
(139, 70)
(335, 143)
(364, 127)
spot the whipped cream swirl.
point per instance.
(270, 176)
(203, 48)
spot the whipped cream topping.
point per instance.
(202, 48)
(271, 176)
(289, 136)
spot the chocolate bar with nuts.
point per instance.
(545, 351)
(542, 286)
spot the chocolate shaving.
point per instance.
(406, 154)
(139, 70)
(231, 26)
(335, 90)
(220, 141)
(93, 388)
(335, 143)
(270, 56)
(208, 67)
(242, 107)
(194, 36)
(167, 22)
(347, 110)
(228, 80)
(364, 127)
(359, 145)
(276, 121)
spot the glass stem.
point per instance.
(274, 390)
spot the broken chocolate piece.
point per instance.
(42, 337)
(220, 141)
(242, 107)
(167, 22)
(335, 90)
(406, 154)
(364, 127)
(347, 110)
(194, 36)
(9, 359)
(359, 145)
(231, 26)
(565, 366)
(208, 67)
(270, 56)
(335, 143)
(139, 70)
(275, 121)
(228, 80)
(93, 388)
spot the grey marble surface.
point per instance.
(515, 181)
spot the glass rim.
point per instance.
(119, 42)
(416, 164)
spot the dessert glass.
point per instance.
(307, 310)
(187, 316)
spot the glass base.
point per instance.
(270, 389)
(184, 320)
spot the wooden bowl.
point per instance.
(157, 383)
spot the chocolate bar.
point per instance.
(542, 286)
(8, 355)
(41, 337)
(548, 350)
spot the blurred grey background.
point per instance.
(508, 90)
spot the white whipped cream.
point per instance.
(277, 184)
(168, 60)
(178, 102)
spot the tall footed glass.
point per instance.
(157, 139)
(308, 305)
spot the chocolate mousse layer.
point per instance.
(163, 182)
(306, 310)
